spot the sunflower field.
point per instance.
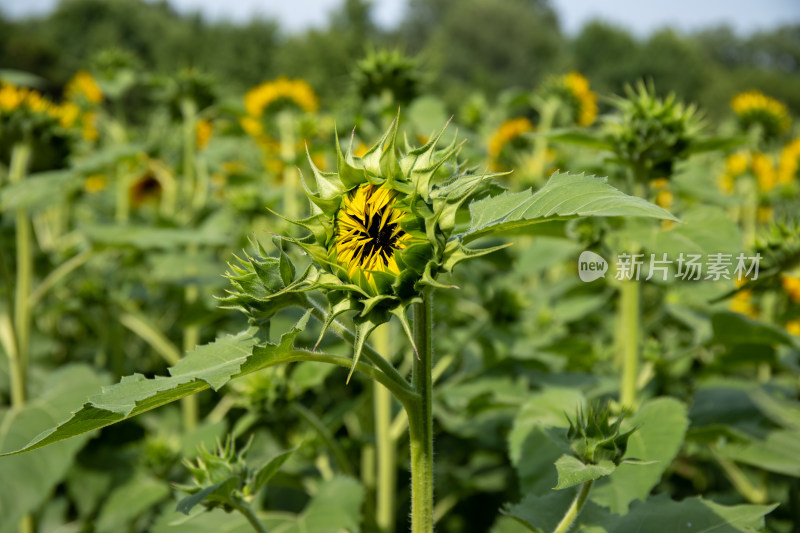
(373, 301)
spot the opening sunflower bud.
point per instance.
(368, 232)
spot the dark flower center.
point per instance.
(382, 239)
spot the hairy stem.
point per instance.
(420, 420)
(629, 329)
(384, 442)
(59, 273)
(574, 508)
(191, 338)
(18, 360)
(752, 493)
(546, 117)
(189, 114)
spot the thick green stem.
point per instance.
(748, 191)
(189, 113)
(420, 420)
(575, 508)
(384, 442)
(122, 207)
(18, 359)
(753, 494)
(629, 329)
(247, 512)
(26, 525)
(547, 114)
(191, 338)
(58, 274)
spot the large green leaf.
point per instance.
(147, 237)
(542, 513)
(777, 452)
(335, 507)
(734, 328)
(692, 515)
(532, 449)
(658, 514)
(662, 424)
(28, 479)
(211, 365)
(705, 230)
(129, 501)
(39, 190)
(564, 196)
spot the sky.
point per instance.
(639, 16)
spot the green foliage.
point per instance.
(36, 474)
(564, 197)
(659, 515)
(101, 283)
(211, 365)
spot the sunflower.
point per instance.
(742, 302)
(764, 171)
(508, 132)
(578, 103)
(368, 232)
(283, 90)
(585, 99)
(664, 196)
(791, 285)
(26, 116)
(760, 165)
(202, 133)
(95, 183)
(756, 108)
(146, 188)
(789, 162)
(378, 235)
(15, 99)
(83, 86)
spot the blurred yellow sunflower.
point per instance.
(202, 133)
(789, 162)
(507, 132)
(22, 99)
(83, 85)
(791, 285)
(764, 170)
(754, 107)
(586, 99)
(742, 302)
(761, 165)
(298, 92)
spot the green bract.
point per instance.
(398, 210)
(593, 438)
